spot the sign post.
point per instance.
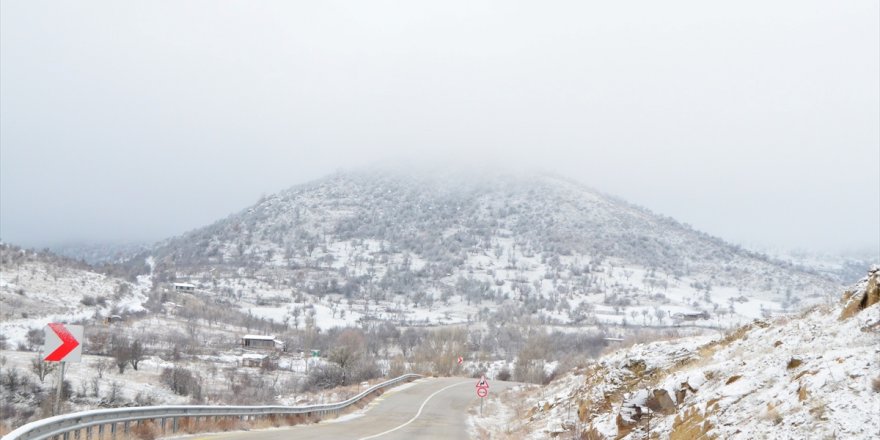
(63, 343)
(482, 391)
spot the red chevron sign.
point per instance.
(63, 343)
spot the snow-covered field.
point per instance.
(34, 293)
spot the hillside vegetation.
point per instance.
(808, 376)
(541, 243)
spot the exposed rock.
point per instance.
(682, 391)
(660, 402)
(626, 424)
(861, 298)
(794, 363)
(637, 366)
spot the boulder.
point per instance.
(660, 402)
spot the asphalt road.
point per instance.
(431, 408)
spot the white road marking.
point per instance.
(417, 414)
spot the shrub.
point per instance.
(323, 377)
(182, 382)
(503, 375)
(145, 430)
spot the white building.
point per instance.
(184, 287)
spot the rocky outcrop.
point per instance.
(660, 402)
(864, 295)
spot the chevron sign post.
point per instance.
(63, 343)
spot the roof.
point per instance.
(260, 337)
(253, 356)
(184, 285)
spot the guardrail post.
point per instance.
(124, 427)
(66, 436)
(113, 430)
(101, 432)
(89, 433)
(162, 424)
(175, 424)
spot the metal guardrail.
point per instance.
(65, 424)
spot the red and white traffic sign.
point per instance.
(460, 360)
(482, 392)
(483, 383)
(63, 343)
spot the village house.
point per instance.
(261, 342)
(254, 360)
(690, 316)
(184, 287)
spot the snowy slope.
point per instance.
(37, 288)
(450, 247)
(811, 376)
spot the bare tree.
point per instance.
(102, 366)
(348, 350)
(42, 368)
(136, 354)
(121, 351)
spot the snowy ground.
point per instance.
(809, 376)
(36, 293)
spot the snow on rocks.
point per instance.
(809, 376)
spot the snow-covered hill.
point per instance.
(41, 287)
(455, 246)
(816, 375)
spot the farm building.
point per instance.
(690, 316)
(254, 360)
(260, 342)
(184, 287)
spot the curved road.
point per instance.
(431, 408)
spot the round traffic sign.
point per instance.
(482, 392)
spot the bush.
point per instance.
(503, 375)
(364, 370)
(145, 430)
(324, 377)
(182, 382)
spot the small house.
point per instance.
(254, 360)
(184, 287)
(690, 316)
(262, 342)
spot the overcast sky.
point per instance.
(757, 121)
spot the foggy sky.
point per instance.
(755, 121)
